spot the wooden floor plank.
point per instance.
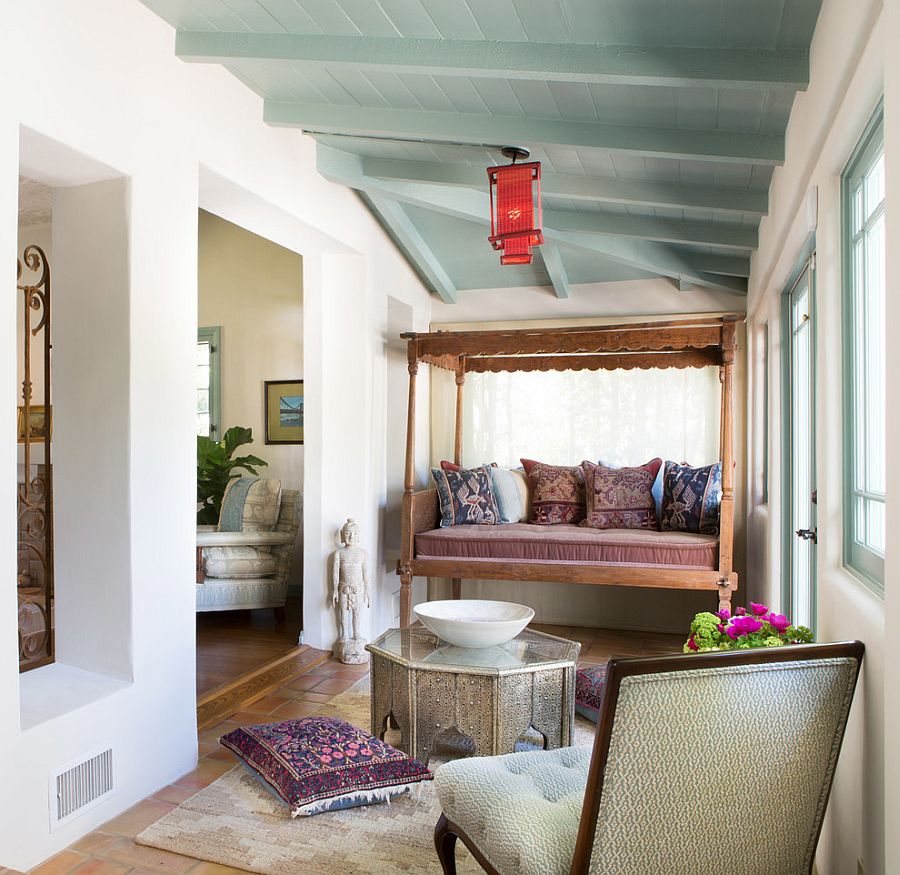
(232, 643)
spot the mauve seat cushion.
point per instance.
(525, 542)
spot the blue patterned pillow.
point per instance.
(466, 497)
(691, 498)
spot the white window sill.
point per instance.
(49, 692)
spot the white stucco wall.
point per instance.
(103, 80)
(847, 79)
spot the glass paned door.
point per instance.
(801, 390)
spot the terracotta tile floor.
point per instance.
(111, 850)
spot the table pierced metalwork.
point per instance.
(481, 702)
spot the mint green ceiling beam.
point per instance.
(473, 206)
(727, 265)
(556, 62)
(411, 240)
(592, 188)
(663, 230)
(556, 269)
(474, 128)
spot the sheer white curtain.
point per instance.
(621, 417)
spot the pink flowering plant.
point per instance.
(758, 627)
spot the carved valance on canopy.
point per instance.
(697, 342)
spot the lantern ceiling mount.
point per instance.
(515, 153)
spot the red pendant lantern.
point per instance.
(515, 190)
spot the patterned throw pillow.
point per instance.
(320, 763)
(510, 487)
(691, 498)
(557, 493)
(250, 504)
(620, 498)
(590, 681)
(466, 497)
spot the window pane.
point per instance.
(857, 210)
(875, 186)
(864, 186)
(875, 525)
(204, 350)
(873, 446)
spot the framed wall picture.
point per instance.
(284, 411)
(41, 424)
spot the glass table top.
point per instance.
(417, 647)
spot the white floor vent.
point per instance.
(80, 786)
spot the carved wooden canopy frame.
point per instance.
(694, 342)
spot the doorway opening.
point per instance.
(801, 534)
(250, 462)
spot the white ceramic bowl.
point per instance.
(474, 622)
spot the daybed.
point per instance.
(569, 553)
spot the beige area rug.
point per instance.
(235, 822)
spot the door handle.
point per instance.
(808, 535)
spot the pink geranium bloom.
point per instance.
(691, 643)
(720, 627)
(758, 609)
(724, 615)
(739, 612)
(779, 622)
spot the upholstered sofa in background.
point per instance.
(249, 568)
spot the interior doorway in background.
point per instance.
(250, 318)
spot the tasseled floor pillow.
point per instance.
(321, 764)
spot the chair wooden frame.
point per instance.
(684, 343)
(446, 832)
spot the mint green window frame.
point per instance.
(765, 434)
(864, 294)
(212, 336)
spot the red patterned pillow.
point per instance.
(620, 498)
(557, 493)
(321, 764)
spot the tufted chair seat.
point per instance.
(521, 809)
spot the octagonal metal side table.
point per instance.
(482, 702)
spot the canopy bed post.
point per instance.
(460, 382)
(456, 582)
(726, 513)
(409, 484)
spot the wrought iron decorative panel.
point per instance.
(34, 578)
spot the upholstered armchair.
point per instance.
(249, 565)
(713, 762)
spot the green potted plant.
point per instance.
(215, 467)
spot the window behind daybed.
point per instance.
(621, 417)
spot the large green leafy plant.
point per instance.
(215, 467)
